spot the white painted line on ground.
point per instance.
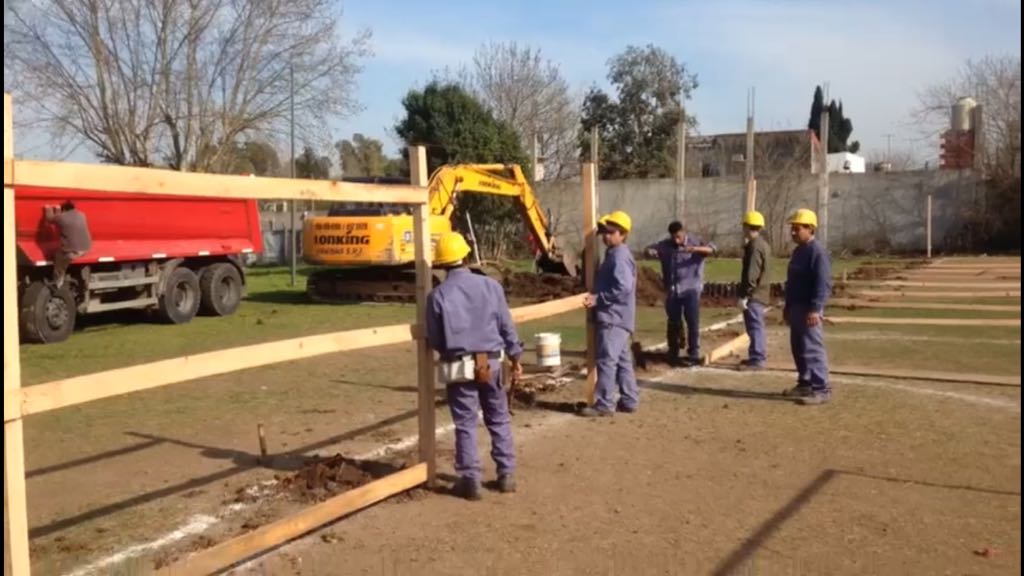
(196, 525)
(909, 338)
(971, 398)
(200, 523)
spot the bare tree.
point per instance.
(778, 188)
(994, 81)
(521, 87)
(899, 160)
(177, 82)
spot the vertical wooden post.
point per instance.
(590, 268)
(751, 200)
(424, 283)
(15, 499)
(928, 225)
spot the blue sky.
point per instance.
(875, 55)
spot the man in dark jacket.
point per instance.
(808, 287)
(754, 289)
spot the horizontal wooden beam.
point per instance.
(727, 349)
(989, 322)
(981, 285)
(925, 295)
(159, 181)
(226, 554)
(81, 389)
(847, 303)
(904, 374)
(545, 309)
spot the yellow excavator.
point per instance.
(367, 250)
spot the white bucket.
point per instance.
(549, 351)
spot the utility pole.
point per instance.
(823, 183)
(680, 196)
(538, 164)
(888, 147)
(750, 202)
(292, 205)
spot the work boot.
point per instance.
(468, 488)
(691, 361)
(591, 412)
(750, 366)
(798, 392)
(506, 483)
(625, 409)
(815, 399)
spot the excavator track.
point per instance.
(368, 284)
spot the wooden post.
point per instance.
(590, 268)
(928, 225)
(595, 143)
(261, 433)
(424, 283)
(15, 504)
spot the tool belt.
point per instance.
(471, 367)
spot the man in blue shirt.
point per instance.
(682, 271)
(808, 287)
(614, 307)
(470, 326)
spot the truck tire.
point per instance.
(221, 289)
(180, 299)
(47, 313)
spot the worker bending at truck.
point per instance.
(808, 287)
(75, 239)
(682, 257)
(470, 326)
(754, 289)
(613, 304)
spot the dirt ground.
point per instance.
(716, 474)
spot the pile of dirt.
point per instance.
(526, 392)
(541, 287)
(649, 288)
(322, 478)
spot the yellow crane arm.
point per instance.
(448, 182)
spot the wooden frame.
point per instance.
(987, 322)
(847, 303)
(19, 402)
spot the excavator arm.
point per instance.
(449, 182)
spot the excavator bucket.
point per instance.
(563, 264)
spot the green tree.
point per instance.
(312, 166)
(456, 128)
(638, 128)
(840, 128)
(362, 156)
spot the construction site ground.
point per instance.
(716, 474)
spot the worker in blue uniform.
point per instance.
(613, 303)
(470, 326)
(808, 287)
(682, 257)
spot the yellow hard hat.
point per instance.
(619, 218)
(753, 219)
(451, 248)
(805, 217)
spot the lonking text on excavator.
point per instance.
(367, 251)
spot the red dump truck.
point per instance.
(175, 255)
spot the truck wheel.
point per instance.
(221, 289)
(180, 300)
(47, 313)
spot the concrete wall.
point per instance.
(868, 212)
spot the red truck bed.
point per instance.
(128, 227)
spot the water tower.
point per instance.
(958, 143)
